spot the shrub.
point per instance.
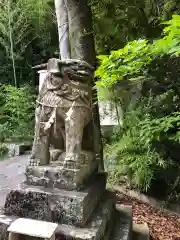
(3, 151)
(146, 147)
(140, 149)
(131, 62)
(130, 156)
(16, 113)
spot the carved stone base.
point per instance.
(106, 223)
(63, 174)
(67, 207)
(94, 229)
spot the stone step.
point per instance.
(123, 223)
(5, 222)
(31, 229)
(110, 227)
(140, 232)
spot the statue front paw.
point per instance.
(34, 162)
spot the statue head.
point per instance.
(53, 66)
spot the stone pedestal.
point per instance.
(56, 205)
(107, 222)
(63, 194)
(63, 174)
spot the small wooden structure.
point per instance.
(32, 229)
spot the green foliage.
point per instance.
(132, 61)
(16, 113)
(3, 150)
(170, 43)
(116, 22)
(133, 155)
(146, 148)
(123, 63)
(159, 129)
(28, 34)
(35, 32)
(139, 148)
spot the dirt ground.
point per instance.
(162, 226)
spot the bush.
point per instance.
(146, 148)
(131, 156)
(131, 63)
(140, 149)
(16, 113)
(3, 150)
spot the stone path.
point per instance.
(11, 174)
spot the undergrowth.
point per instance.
(145, 149)
(138, 152)
(16, 113)
(3, 151)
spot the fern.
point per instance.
(137, 149)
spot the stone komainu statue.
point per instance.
(63, 109)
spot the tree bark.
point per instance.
(80, 30)
(11, 44)
(62, 22)
(82, 47)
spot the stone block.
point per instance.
(3, 231)
(5, 221)
(123, 223)
(63, 175)
(141, 232)
(28, 204)
(15, 149)
(32, 228)
(96, 227)
(109, 227)
(67, 207)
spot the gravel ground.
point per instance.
(11, 175)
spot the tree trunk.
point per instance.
(11, 44)
(80, 30)
(82, 47)
(62, 22)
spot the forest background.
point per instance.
(133, 46)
